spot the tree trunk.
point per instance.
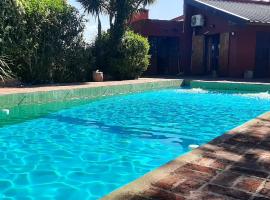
(111, 21)
(119, 27)
(99, 28)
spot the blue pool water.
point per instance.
(87, 151)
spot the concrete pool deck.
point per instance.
(235, 166)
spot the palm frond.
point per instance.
(94, 7)
(5, 71)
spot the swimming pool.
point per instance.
(89, 150)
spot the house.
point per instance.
(165, 38)
(225, 38)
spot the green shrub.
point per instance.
(44, 38)
(102, 52)
(134, 57)
(129, 61)
(77, 65)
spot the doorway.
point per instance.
(212, 49)
(262, 69)
(165, 55)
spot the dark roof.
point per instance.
(248, 11)
(179, 18)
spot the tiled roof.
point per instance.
(252, 12)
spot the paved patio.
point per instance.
(235, 166)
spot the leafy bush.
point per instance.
(77, 65)
(129, 61)
(133, 58)
(45, 40)
(102, 51)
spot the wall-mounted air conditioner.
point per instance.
(197, 21)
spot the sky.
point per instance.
(162, 9)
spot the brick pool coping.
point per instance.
(195, 82)
(234, 166)
(46, 88)
(11, 97)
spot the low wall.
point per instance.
(17, 99)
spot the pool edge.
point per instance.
(139, 186)
(85, 92)
(25, 96)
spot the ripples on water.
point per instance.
(88, 149)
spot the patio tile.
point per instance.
(157, 194)
(168, 182)
(221, 154)
(214, 163)
(260, 198)
(132, 197)
(208, 196)
(250, 172)
(265, 189)
(227, 178)
(137, 197)
(243, 140)
(188, 173)
(201, 169)
(221, 164)
(188, 186)
(250, 161)
(249, 184)
(265, 146)
(229, 192)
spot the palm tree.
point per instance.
(142, 3)
(96, 8)
(119, 11)
(124, 10)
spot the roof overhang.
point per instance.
(219, 12)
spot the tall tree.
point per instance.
(96, 8)
(119, 11)
(123, 11)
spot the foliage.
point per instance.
(115, 45)
(94, 7)
(102, 48)
(76, 67)
(132, 58)
(45, 40)
(123, 10)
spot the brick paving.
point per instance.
(235, 166)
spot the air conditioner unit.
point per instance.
(197, 21)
